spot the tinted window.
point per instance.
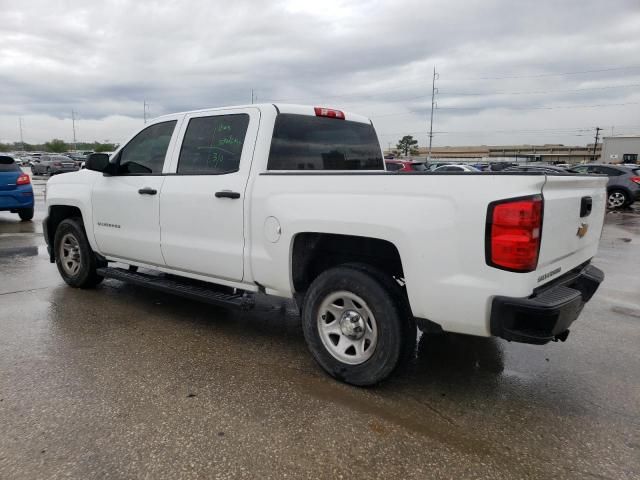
(612, 172)
(302, 142)
(213, 144)
(450, 169)
(145, 153)
(420, 167)
(7, 164)
(392, 167)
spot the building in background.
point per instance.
(548, 153)
(621, 149)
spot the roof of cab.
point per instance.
(281, 107)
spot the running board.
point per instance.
(193, 290)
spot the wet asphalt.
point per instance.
(122, 382)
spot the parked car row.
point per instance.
(53, 164)
(16, 192)
(623, 188)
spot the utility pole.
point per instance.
(253, 98)
(73, 123)
(595, 145)
(433, 103)
(21, 137)
(145, 107)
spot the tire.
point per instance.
(75, 260)
(617, 198)
(48, 171)
(26, 214)
(371, 335)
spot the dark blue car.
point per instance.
(16, 193)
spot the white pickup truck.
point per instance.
(294, 201)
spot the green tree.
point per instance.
(407, 145)
(104, 147)
(56, 146)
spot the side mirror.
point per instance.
(98, 162)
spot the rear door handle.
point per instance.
(227, 194)
(147, 191)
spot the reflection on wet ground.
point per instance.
(125, 382)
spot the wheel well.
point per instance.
(57, 214)
(313, 253)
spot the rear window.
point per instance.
(8, 164)
(302, 142)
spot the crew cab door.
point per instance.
(126, 203)
(202, 203)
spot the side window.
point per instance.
(145, 153)
(213, 145)
(612, 172)
(393, 167)
(581, 169)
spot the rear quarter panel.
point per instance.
(436, 221)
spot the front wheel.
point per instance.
(25, 214)
(357, 324)
(75, 260)
(617, 198)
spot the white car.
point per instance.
(294, 201)
(456, 168)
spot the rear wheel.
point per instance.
(26, 214)
(75, 260)
(617, 198)
(356, 324)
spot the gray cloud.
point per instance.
(372, 57)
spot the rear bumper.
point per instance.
(549, 312)
(15, 199)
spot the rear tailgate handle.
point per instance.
(586, 204)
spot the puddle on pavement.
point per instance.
(19, 252)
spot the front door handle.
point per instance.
(227, 194)
(147, 191)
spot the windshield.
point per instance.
(303, 142)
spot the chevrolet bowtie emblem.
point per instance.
(583, 229)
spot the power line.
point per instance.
(507, 107)
(542, 92)
(433, 103)
(560, 74)
(73, 123)
(596, 142)
(536, 131)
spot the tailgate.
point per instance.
(569, 239)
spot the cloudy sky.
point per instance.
(509, 72)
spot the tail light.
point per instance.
(23, 179)
(328, 112)
(635, 179)
(57, 164)
(513, 233)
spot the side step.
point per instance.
(187, 288)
